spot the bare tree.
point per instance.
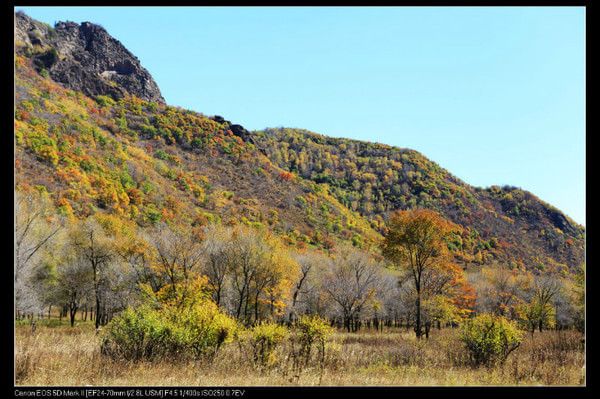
(94, 246)
(350, 282)
(312, 298)
(500, 289)
(217, 262)
(73, 283)
(309, 264)
(119, 289)
(36, 225)
(251, 267)
(545, 290)
(179, 254)
(246, 252)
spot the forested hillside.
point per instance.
(148, 162)
(504, 223)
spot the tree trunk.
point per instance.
(98, 313)
(256, 308)
(418, 329)
(218, 296)
(239, 307)
(72, 313)
(246, 318)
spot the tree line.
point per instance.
(100, 266)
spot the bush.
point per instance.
(173, 328)
(201, 328)
(136, 334)
(490, 338)
(148, 131)
(264, 338)
(105, 101)
(43, 147)
(313, 331)
(161, 154)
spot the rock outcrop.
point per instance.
(85, 58)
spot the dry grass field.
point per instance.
(62, 355)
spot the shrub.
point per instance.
(490, 338)
(301, 201)
(161, 154)
(42, 146)
(174, 328)
(313, 331)
(151, 214)
(136, 334)
(201, 328)
(264, 338)
(105, 101)
(148, 131)
(152, 106)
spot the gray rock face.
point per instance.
(85, 58)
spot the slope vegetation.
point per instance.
(96, 135)
(504, 223)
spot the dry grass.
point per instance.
(70, 356)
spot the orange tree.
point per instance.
(415, 241)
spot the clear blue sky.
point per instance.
(494, 95)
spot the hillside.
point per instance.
(505, 223)
(92, 129)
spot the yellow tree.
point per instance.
(539, 311)
(416, 242)
(276, 278)
(261, 271)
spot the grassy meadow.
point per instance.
(56, 354)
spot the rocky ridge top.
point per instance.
(84, 57)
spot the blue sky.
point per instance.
(494, 95)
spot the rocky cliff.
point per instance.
(84, 58)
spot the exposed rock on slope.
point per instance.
(85, 58)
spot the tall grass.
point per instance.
(71, 356)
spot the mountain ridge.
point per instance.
(307, 187)
(567, 221)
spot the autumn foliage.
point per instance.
(416, 242)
